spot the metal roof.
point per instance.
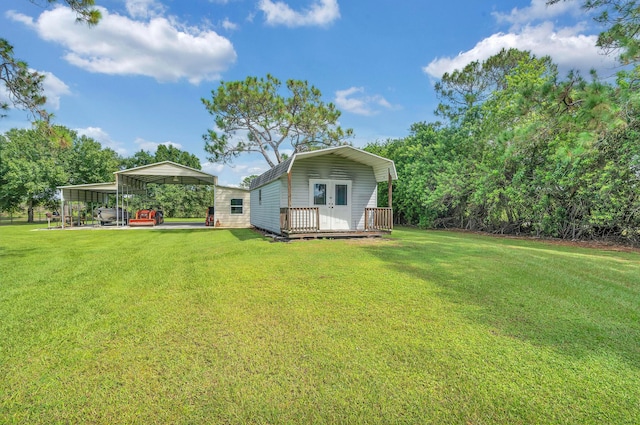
(93, 192)
(134, 181)
(166, 172)
(271, 174)
(382, 167)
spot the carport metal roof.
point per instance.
(94, 192)
(165, 172)
(134, 181)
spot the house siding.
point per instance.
(363, 183)
(266, 214)
(223, 216)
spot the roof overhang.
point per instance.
(382, 167)
(94, 192)
(165, 172)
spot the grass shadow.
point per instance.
(246, 234)
(572, 300)
(22, 223)
(239, 234)
(181, 231)
(17, 252)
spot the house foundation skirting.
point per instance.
(342, 234)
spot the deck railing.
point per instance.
(378, 219)
(300, 219)
(307, 219)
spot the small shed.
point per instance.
(328, 192)
(232, 207)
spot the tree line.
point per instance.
(33, 164)
(519, 148)
(522, 150)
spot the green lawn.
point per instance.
(224, 326)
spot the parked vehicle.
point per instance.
(147, 217)
(106, 215)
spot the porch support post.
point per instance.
(289, 214)
(390, 191)
(289, 189)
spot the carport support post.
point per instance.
(78, 204)
(62, 207)
(117, 199)
(390, 191)
(215, 204)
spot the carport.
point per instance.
(90, 194)
(133, 181)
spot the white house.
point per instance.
(328, 192)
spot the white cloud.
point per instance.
(19, 17)
(212, 167)
(568, 48)
(355, 100)
(228, 25)
(537, 11)
(144, 8)
(159, 48)
(320, 13)
(53, 88)
(101, 136)
(233, 175)
(283, 151)
(147, 145)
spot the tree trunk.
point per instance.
(30, 211)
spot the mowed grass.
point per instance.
(224, 326)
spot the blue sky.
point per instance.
(135, 81)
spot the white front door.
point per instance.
(333, 199)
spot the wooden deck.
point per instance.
(304, 223)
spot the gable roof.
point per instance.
(166, 172)
(382, 167)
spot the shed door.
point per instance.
(333, 199)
